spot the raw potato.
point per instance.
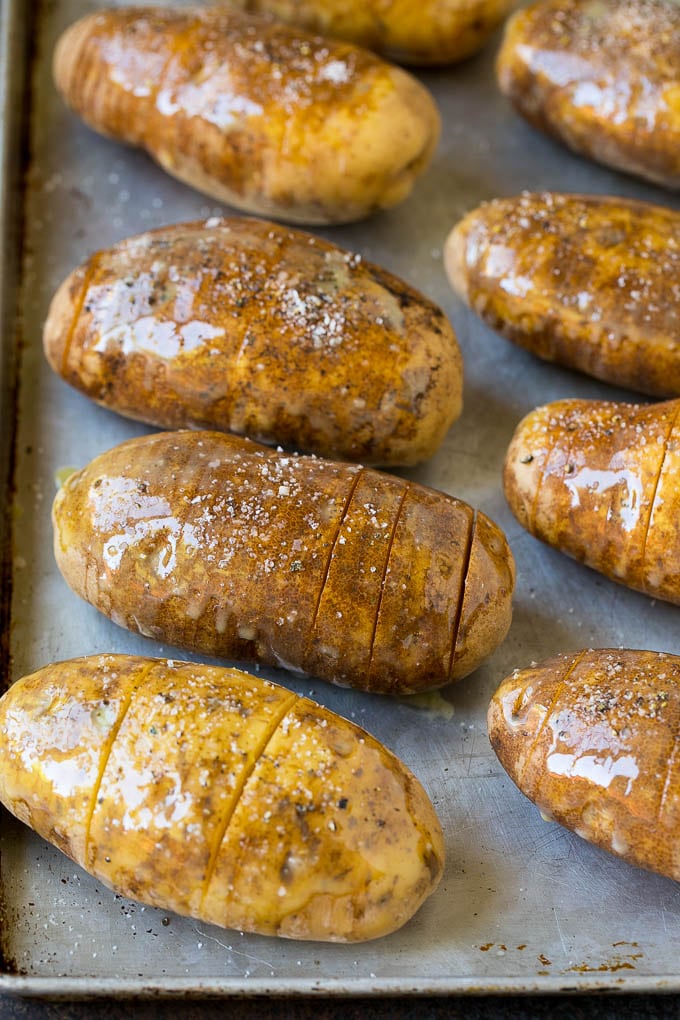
(593, 739)
(219, 795)
(586, 281)
(265, 117)
(429, 32)
(604, 77)
(213, 543)
(600, 482)
(257, 329)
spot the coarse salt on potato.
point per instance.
(593, 738)
(586, 281)
(603, 76)
(214, 543)
(258, 329)
(219, 795)
(598, 481)
(267, 118)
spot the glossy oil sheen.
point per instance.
(219, 795)
(260, 330)
(598, 480)
(431, 32)
(589, 282)
(216, 544)
(604, 77)
(593, 739)
(265, 117)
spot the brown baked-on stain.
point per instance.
(609, 967)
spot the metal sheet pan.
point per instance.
(524, 905)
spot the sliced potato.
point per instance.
(267, 118)
(213, 543)
(598, 481)
(219, 795)
(243, 325)
(593, 739)
(430, 32)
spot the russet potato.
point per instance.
(265, 117)
(429, 32)
(598, 480)
(587, 281)
(603, 76)
(258, 329)
(592, 738)
(219, 795)
(214, 543)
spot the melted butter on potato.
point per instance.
(262, 116)
(586, 281)
(603, 76)
(257, 329)
(214, 543)
(598, 480)
(219, 795)
(593, 739)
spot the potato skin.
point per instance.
(581, 280)
(603, 77)
(219, 795)
(216, 544)
(592, 738)
(431, 32)
(257, 329)
(265, 117)
(598, 480)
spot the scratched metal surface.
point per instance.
(523, 905)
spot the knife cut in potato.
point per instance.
(599, 481)
(593, 738)
(213, 543)
(219, 795)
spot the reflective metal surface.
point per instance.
(524, 905)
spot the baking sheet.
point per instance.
(524, 905)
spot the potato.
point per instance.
(592, 738)
(585, 281)
(430, 32)
(598, 480)
(604, 77)
(219, 795)
(267, 118)
(213, 543)
(253, 328)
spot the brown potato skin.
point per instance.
(257, 329)
(219, 795)
(581, 280)
(216, 544)
(265, 117)
(432, 32)
(592, 738)
(602, 77)
(598, 480)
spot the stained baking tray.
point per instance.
(524, 905)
